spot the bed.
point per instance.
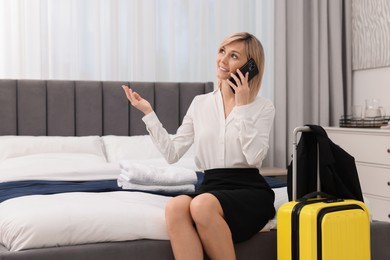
(53, 131)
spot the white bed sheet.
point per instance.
(77, 218)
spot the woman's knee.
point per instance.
(177, 209)
(204, 208)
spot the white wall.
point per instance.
(370, 45)
(372, 83)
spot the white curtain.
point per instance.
(313, 60)
(132, 40)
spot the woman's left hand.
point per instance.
(242, 90)
(137, 101)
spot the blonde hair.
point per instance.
(254, 49)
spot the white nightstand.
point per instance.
(371, 150)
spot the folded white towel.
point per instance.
(138, 173)
(125, 184)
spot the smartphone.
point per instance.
(250, 67)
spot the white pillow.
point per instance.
(15, 146)
(58, 166)
(138, 147)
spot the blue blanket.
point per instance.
(9, 190)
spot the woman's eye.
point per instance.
(234, 56)
(222, 51)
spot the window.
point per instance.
(131, 40)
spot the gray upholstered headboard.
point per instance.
(80, 108)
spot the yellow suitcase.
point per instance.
(322, 227)
(327, 229)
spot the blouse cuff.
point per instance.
(150, 119)
(241, 111)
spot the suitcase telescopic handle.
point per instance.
(295, 159)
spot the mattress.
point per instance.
(48, 200)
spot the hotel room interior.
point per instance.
(63, 113)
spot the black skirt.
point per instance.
(246, 199)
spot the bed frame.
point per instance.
(80, 108)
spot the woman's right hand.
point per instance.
(137, 101)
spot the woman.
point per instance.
(230, 133)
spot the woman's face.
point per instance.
(230, 58)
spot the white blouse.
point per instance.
(239, 141)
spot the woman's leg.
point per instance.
(207, 213)
(184, 239)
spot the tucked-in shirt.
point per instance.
(239, 141)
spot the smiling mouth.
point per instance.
(223, 69)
